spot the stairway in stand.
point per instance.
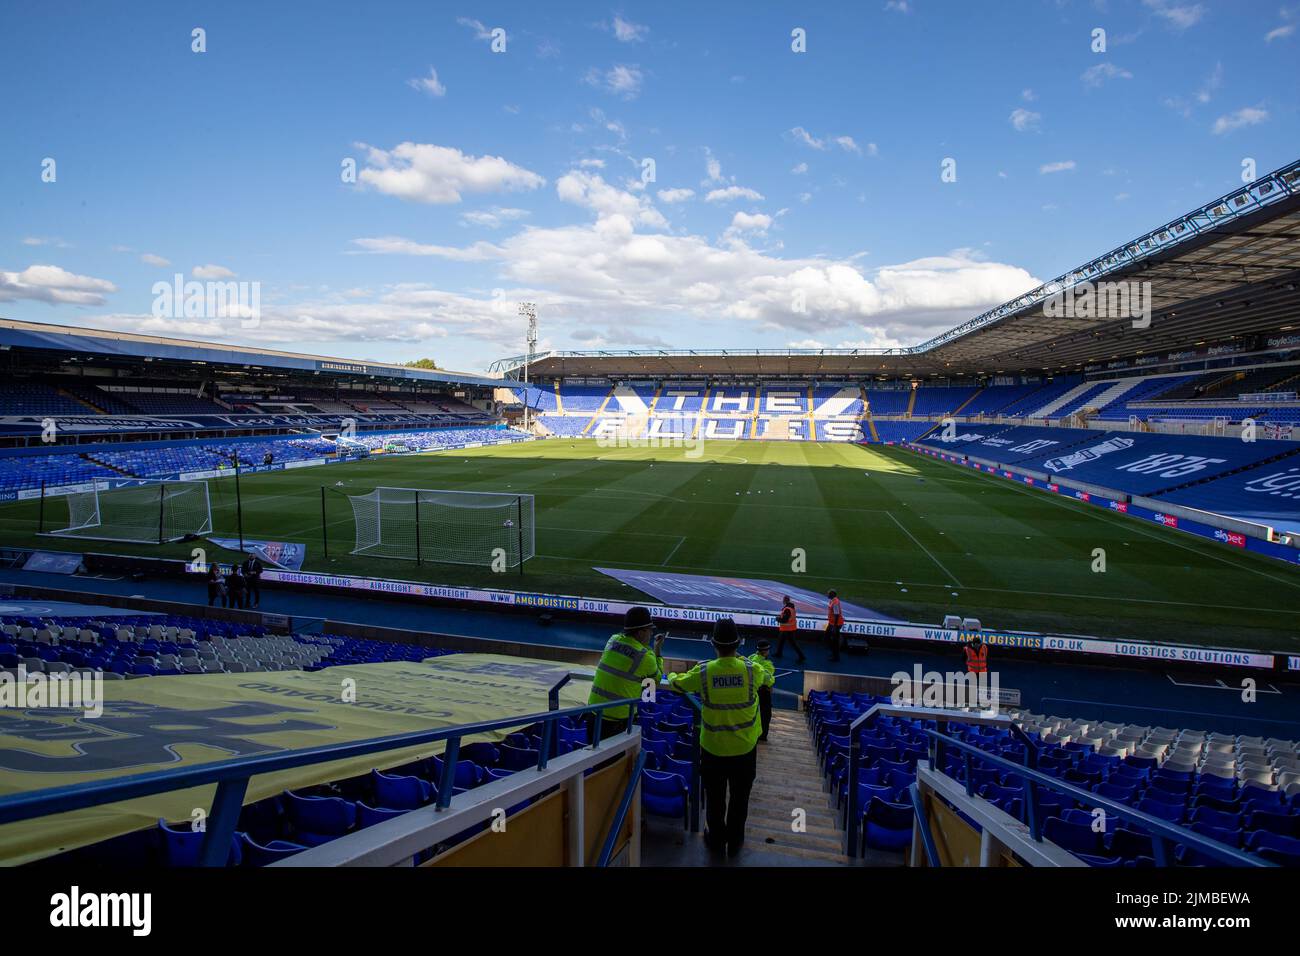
(789, 778)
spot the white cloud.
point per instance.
(732, 192)
(898, 6)
(211, 271)
(805, 197)
(1098, 75)
(493, 218)
(800, 169)
(1279, 33)
(396, 245)
(1246, 116)
(847, 144)
(675, 195)
(1060, 167)
(1178, 17)
(1028, 95)
(428, 84)
(627, 32)
(801, 135)
(420, 172)
(592, 192)
(481, 32)
(712, 166)
(591, 163)
(749, 222)
(53, 284)
(1024, 120)
(150, 259)
(620, 79)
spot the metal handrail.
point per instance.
(922, 713)
(923, 825)
(1162, 831)
(623, 805)
(232, 776)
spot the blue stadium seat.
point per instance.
(401, 793)
(887, 826)
(318, 820)
(182, 845)
(664, 794)
(257, 854)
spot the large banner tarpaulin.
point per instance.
(726, 594)
(287, 555)
(162, 723)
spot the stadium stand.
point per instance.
(1137, 463)
(1235, 789)
(166, 644)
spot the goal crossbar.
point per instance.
(143, 512)
(442, 526)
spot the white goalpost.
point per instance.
(147, 513)
(444, 527)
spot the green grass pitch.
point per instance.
(891, 530)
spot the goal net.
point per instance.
(156, 512)
(448, 527)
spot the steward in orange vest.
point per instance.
(977, 656)
(834, 623)
(787, 623)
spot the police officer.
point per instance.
(253, 580)
(834, 624)
(729, 732)
(761, 660)
(977, 656)
(627, 660)
(787, 623)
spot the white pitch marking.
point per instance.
(924, 548)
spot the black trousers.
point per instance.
(254, 592)
(214, 593)
(726, 782)
(765, 709)
(780, 644)
(835, 639)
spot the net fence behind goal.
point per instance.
(148, 513)
(447, 527)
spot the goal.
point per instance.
(445, 527)
(148, 513)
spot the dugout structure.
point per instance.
(143, 513)
(479, 528)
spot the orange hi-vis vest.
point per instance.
(833, 614)
(977, 660)
(789, 619)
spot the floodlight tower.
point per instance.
(528, 310)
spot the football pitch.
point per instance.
(890, 530)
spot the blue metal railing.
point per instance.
(623, 806)
(852, 823)
(1162, 832)
(232, 776)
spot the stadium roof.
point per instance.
(66, 341)
(1228, 269)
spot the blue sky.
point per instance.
(796, 200)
